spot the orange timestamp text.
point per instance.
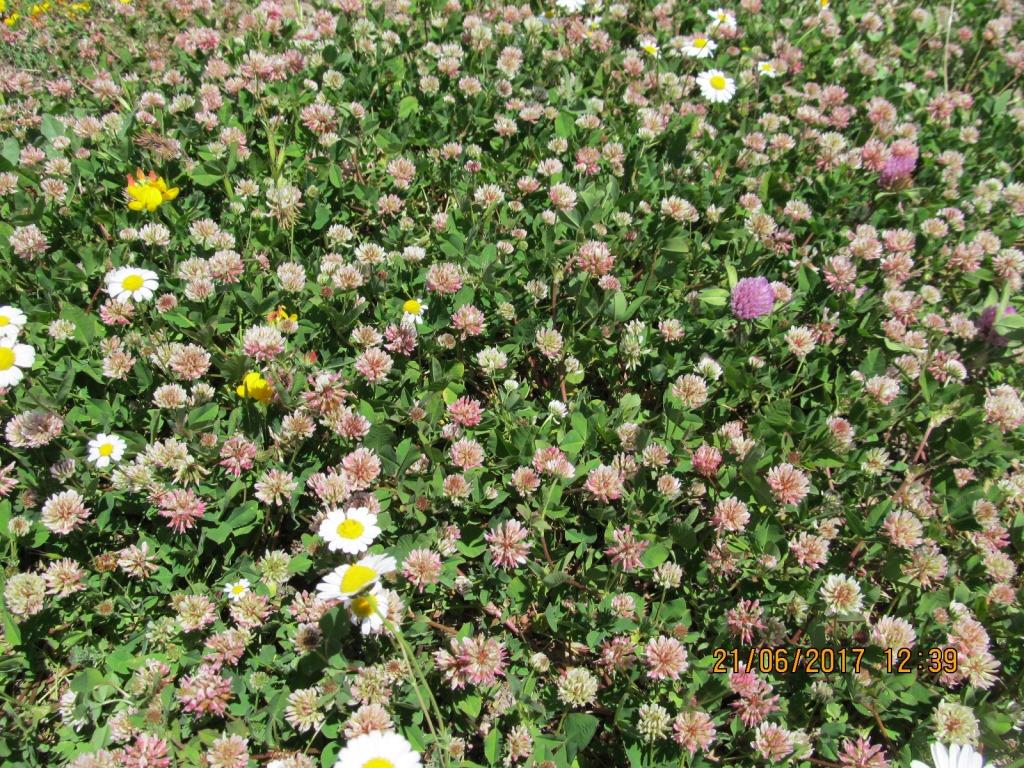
(783, 661)
(829, 661)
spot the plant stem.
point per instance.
(418, 681)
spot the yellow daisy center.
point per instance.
(6, 358)
(717, 82)
(412, 307)
(364, 607)
(350, 529)
(132, 282)
(378, 762)
(4, 320)
(700, 42)
(106, 449)
(238, 589)
(357, 577)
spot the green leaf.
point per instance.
(630, 404)
(579, 730)
(471, 705)
(86, 680)
(573, 443)
(11, 152)
(553, 614)
(206, 179)
(11, 631)
(678, 244)
(491, 747)
(555, 578)
(120, 660)
(51, 127)
(730, 271)
(407, 107)
(87, 328)
(564, 125)
(714, 297)
(1010, 326)
(655, 555)
(241, 521)
(619, 306)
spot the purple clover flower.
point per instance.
(752, 297)
(900, 164)
(986, 322)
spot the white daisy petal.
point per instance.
(350, 531)
(106, 449)
(131, 284)
(13, 358)
(349, 580)
(237, 590)
(384, 748)
(24, 355)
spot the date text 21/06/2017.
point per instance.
(831, 660)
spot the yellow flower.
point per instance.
(11, 20)
(256, 387)
(148, 192)
(3, 5)
(279, 314)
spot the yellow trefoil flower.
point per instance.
(256, 387)
(279, 314)
(148, 192)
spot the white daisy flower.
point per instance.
(722, 18)
(105, 450)
(413, 310)
(700, 47)
(571, 6)
(767, 69)
(378, 749)
(650, 46)
(237, 590)
(350, 530)
(369, 609)
(131, 283)
(955, 756)
(346, 581)
(12, 320)
(13, 359)
(716, 86)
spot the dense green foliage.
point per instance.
(626, 353)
